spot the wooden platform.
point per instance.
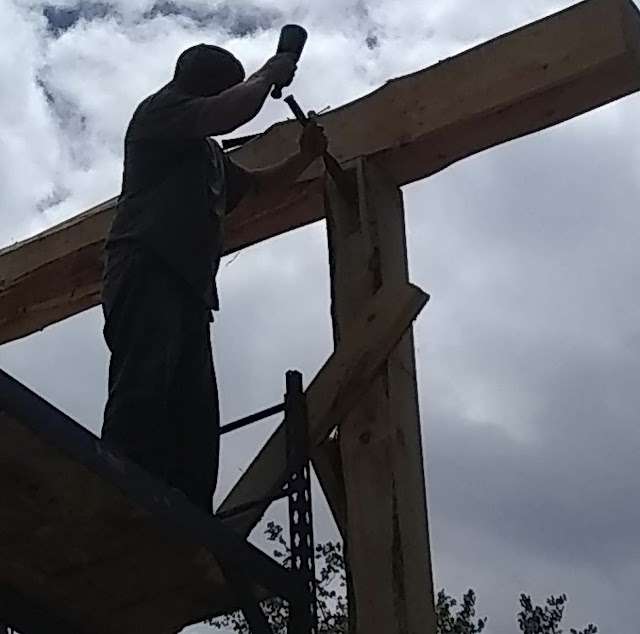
(89, 543)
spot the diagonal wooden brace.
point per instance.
(335, 390)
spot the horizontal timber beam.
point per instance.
(533, 78)
(57, 274)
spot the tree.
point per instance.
(534, 619)
(461, 621)
(451, 617)
(330, 590)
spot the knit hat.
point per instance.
(207, 70)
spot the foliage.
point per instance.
(331, 590)
(534, 619)
(461, 621)
(451, 617)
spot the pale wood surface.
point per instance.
(382, 462)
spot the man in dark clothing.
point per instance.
(162, 256)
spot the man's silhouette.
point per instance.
(162, 255)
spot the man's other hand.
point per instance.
(313, 142)
(276, 178)
(280, 69)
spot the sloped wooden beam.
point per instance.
(331, 395)
(527, 80)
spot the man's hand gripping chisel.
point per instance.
(292, 40)
(340, 178)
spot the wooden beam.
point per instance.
(382, 463)
(57, 274)
(328, 468)
(533, 78)
(331, 395)
(89, 542)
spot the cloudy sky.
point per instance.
(528, 353)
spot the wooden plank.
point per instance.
(57, 274)
(328, 468)
(411, 548)
(32, 619)
(332, 394)
(533, 78)
(92, 541)
(382, 462)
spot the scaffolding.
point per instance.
(66, 502)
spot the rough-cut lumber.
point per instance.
(332, 394)
(57, 273)
(92, 543)
(380, 440)
(533, 78)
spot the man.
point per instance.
(162, 255)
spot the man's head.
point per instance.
(207, 70)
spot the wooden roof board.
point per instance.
(92, 541)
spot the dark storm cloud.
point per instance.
(61, 18)
(238, 21)
(530, 364)
(567, 494)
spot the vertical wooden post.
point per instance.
(380, 443)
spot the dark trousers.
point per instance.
(162, 409)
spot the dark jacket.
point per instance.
(176, 189)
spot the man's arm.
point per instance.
(313, 144)
(239, 104)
